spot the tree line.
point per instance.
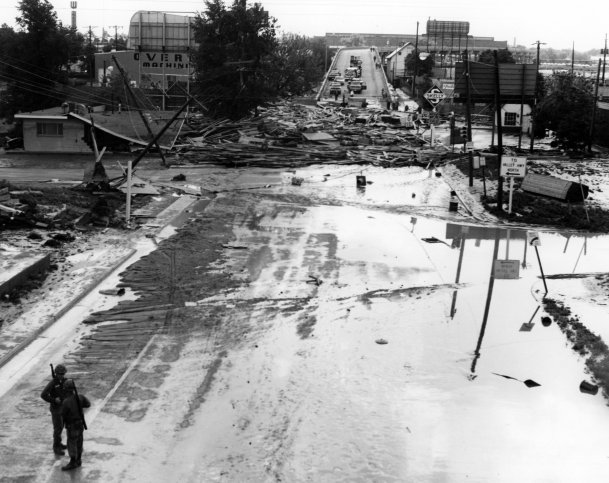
(242, 61)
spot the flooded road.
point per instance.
(353, 335)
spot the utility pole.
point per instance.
(539, 43)
(91, 64)
(604, 58)
(416, 64)
(499, 132)
(468, 113)
(572, 57)
(598, 72)
(115, 27)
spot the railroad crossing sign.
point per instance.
(435, 95)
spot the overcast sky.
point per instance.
(558, 23)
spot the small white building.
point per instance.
(395, 62)
(511, 120)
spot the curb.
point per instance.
(23, 344)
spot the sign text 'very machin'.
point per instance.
(160, 60)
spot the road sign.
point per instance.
(434, 96)
(479, 161)
(506, 269)
(512, 166)
(533, 238)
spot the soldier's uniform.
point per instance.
(54, 394)
(73, 420)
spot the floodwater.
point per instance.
(406, 361)
(430, 405)
(415, 366)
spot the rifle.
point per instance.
(82, 414)
(52, 371)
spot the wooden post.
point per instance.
(128, 201)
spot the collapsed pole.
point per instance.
(135, 101)
(160, 133)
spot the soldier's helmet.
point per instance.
(69, 385)
(61, 370)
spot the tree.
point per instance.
(299, 64)
(504, 56)
(234, 71)
(424, 73)
(36, 58)
(422, 67)
(566, 109)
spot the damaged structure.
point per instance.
(67, 129)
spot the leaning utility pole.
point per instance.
(135, 101)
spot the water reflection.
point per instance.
(502, 265)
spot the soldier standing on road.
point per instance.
(73, 418)
(54, 393)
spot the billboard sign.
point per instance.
(516, 82)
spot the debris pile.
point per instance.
(292, 135)
(59, 207)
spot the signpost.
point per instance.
(434, 95)
(513, 167)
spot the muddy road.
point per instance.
(321, 332)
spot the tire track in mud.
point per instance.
(180, 270)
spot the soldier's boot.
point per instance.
(63, 446)
(58, 450)
(78, 462)
(70, 466)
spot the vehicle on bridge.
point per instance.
(351, 72)
(356, 86)
(333, 74)
(361, 81)
(335, 88)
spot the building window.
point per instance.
(49, 129)
(510, 119)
